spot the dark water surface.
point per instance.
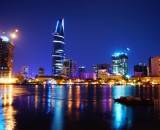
(76, 107)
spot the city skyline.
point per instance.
(93, 30)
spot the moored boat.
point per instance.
(134, 101)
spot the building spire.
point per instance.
(60, 27)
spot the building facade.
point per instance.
(89, 76)
(25, 72)
(97, 68)
(81, 72)
(69, 68)
(6, 57)
(58, 52)
(120, 63)
(154, 66)
(140, 70)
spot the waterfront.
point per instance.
(76, 107)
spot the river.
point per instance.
(76, 107)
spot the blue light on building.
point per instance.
(58, 52)
(120, 63)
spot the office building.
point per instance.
(69, 68)
(58, 52)
(154, 66)
(25, 72)
(105, 67)
(120, 63)
(89, 76)
(140, 70)
(6, 57)
(81, 72)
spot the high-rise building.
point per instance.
(81, 72)
(120, 63)
(154, 66)
(140, 70)
(69, 68)
(58, 52)
(6, 57)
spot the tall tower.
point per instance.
(58, 52)
(120, 63)
(6, 57)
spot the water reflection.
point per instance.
(122, 115)
(58, 110)
(7, 111)
(74, 107)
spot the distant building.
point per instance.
(154, 66)
(106, 77)
(102, 73)
(96, 68)
(6, 57)
(140, 70)
(41, 71)
(81, 71)
(69, 68)
(89, 76)
(25, 72)
(58, 53)
(120, 63)
(149, 63)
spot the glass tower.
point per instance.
(120, 63)
(58, 52)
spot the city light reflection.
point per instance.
(121, 114)
(77, 103)
(58, 111)
(7, 111)
(70, 102)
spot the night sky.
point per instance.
(94, 30)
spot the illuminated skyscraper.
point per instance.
(6, 57)
(58, 52)
(120, 63)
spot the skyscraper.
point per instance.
(120, 63)
(58, 52)
(6, 57)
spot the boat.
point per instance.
(126, 100)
